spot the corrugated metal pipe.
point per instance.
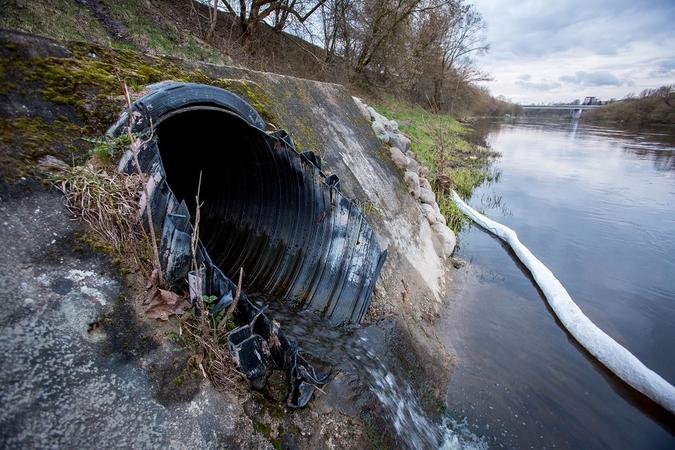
(264, 207)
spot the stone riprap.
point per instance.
(414, 175)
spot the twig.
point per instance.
(317, 388)
(230, 310)
(195, 234)
(195, 267)
(135, 146)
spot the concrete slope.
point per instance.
(76, 367)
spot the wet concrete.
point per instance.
(77, 368)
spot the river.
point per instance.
(597, 206)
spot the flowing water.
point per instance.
(373, 386)
(597, 206)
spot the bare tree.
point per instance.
(338, 22)
(276, 13)
(417, 46)
(463, 38)
(463, 76)
(382, 25)
(422, 49)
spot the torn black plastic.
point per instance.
(266, 208)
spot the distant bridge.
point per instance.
(576, 109)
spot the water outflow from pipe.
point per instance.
(374, 382)
(605, 349)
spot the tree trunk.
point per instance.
(213, 18)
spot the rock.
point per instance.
(439, 216)
(410, 154)
(427, 196)
(425, 183)
(447, 238)
(377, 117)
(390, 125)
(276, 387)
(385, 122)
(362, 108)
(405, 142)
(399, 158)
(394, 140)
(428, 213)
(413, 182)
(423, 172)
(380, 132)
(373, 114)
(413, 165)
(51, 163)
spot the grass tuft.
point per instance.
(443, 145)
(105, 199)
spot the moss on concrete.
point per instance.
(74, 93)
(24, 139)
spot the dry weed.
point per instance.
(213, 355)
(108, 202)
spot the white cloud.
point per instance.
(543, 85)
(599, 78)
(664, 69)
(559, 51)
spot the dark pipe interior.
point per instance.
(250, 193)
(271, 211)
(264, 207)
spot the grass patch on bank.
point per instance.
(442, 144)
(66, 20)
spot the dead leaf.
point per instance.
(163, 303)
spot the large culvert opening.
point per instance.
(245, 197)
(264, 207)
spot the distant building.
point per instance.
(592, 101)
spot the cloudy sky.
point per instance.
(558, 51)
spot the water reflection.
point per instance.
(573, 125)
(594, 205)
(664, 160)
(646, 405)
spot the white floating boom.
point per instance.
(615, 357)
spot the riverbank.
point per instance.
(651, 107)
(63, 95)
(457, 156)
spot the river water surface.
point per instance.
(597, 206)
